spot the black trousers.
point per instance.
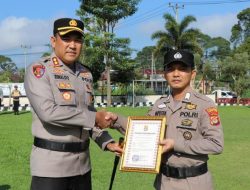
(80, 182)
(16, 106)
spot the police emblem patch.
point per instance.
(213, 115)
(38, 70)
(187, 135)
(66, 96)
(214, 120)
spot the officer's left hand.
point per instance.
(167, 145)
(114, 147)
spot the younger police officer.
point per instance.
(60, 92)
(193, 128)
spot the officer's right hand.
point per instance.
(104, 119)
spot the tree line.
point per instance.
(110, 57)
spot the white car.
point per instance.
(224, 94)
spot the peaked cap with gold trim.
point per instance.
(66, 25)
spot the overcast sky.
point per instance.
(28, 23)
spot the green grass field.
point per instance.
(230, 170)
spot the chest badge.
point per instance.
(66, 96)
(187, 135)
(186, 122)
(190, 106)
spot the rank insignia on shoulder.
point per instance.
(187, 135)
(186, 122)
(190, 106)
(85, 74)
(66, 96)
(162, 106)
(38, 70)
(55, 62)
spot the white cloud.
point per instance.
(216, 25)
(23, 31)
(148, 28)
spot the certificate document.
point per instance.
(142, 152)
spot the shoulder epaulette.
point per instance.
(86, 67)
(164, 96)
(201, 96)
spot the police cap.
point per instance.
(179, 56)
(66, 25)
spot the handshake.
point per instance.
(105, 119)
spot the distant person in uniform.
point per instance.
(60, 92)
(1, 97)
(15, 94)
(193, 130)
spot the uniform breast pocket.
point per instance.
(188, 128)
(66, 94)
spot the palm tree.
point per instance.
(177, 35)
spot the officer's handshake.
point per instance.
(105, 119)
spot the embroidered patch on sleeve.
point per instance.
(213, 116)
(38, 70)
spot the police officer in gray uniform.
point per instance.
(193, 128)
(60, 92)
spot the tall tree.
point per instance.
(177, 35)
(144, 59)
(234, 70)
(241, 30)
(106, 14)
(6, 64)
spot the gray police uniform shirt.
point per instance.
(195, 127)
(62, 107)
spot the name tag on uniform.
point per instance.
(162, 106)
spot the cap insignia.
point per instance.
(73, 23)
(177, 55)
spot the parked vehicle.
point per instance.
(224, 94)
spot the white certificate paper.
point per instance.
(142, 152)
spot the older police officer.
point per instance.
(193, 128)
(60, 92)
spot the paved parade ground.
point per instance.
(230, 170)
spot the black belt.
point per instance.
(182, 173)
(61, 146)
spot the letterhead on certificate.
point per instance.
(142, 152)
